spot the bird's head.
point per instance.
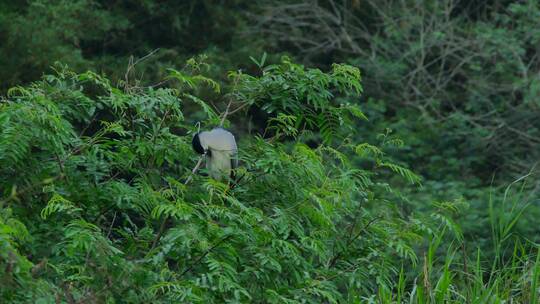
(196, 144)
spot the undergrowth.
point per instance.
(90, 171)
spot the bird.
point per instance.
(219, 147)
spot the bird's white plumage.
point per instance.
(223, 152)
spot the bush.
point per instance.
(97, 205)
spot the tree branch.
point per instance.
(351, 240)
(198, 260)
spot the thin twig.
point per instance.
(110, 227)
(225, 114)
(197, 261)
(349, 242)
(146, 57)
(60, 164)
(195, 169)
(132, 64)
(238, 109)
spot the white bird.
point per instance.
(219, 145)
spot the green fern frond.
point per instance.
(206, 108)
(366, 149)
(58, 204)
(404, 172)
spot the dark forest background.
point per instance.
(456, 82)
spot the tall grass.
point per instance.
(453, 272)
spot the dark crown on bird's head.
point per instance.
(196, 143)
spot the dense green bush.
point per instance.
(95, 206)
(93, 201)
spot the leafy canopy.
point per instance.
(95, 206)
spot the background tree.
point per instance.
(93, 164)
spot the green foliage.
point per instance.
(95, 207)
(304, 99)
(90, 171)
(103, 35)
(457, 79)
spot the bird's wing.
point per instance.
(220, 140)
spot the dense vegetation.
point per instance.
(405, 173)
